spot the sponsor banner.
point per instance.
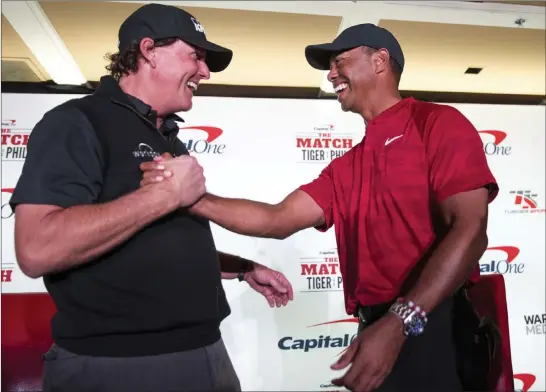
(322, 144)
(320, 272)
(501, 260)
(202, 139)
(14, 141)
(263, 149)
(494, 143)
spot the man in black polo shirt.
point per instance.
(135, 278)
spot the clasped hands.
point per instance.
(186, 183)
(184, 180)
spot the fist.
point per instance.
(181, 176)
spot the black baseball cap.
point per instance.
(318, 56)
(157, 21)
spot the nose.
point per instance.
(204, 72)
(332, 74)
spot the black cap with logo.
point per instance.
(157, 21)
(318, 56)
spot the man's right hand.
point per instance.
(185, 175)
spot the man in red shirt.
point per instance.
(409, 205)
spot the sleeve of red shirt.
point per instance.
(321, 191)
(456, 158)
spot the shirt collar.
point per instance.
(169, 124)
(110, 87)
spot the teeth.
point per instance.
(192, 86)
(340, 87)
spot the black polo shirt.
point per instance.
(161, 290)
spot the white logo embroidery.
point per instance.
(144, 151)
(198, 26)
(390, 140)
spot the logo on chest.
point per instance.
(144, 151)
(392, 139)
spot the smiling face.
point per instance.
(360, 76)
(177, 70)
(352, 74)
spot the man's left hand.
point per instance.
(371, 355)
(272, 284)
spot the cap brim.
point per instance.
(217, 57)
(318, 56)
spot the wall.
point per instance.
(257, 156)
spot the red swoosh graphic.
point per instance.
(212, 132)
(349, 320)
(511, 251)
(8, 190)
(527, 379)
(498, 135)
(530, 203)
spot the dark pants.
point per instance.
(427, 362)
(204, 369)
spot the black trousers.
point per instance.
(427, 362)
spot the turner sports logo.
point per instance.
(493, 143)
(503, 263)
(321, 272)
(525, 202)
(322, 341)
(199, 139)
(323, 144)
(524, 381)
(6, 211)
(535, 324)
(14, 141)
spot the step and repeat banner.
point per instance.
(263, 149)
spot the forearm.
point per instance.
(241, 216)
(231, 265)
(449, 266)
(76, 235)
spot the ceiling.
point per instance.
(440, 41)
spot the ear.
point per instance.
(147, 50)
(381, 60)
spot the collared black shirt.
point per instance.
(161, 290)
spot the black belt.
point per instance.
(367, 315)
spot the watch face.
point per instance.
(415, 327)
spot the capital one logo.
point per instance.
(493, 143)
(8, 123)
(6, 211)
(503, 262)
(526, 380)
(324, 128)
(199, 144)
(323, 341)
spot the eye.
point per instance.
(200, 56)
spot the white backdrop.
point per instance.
(262, 154)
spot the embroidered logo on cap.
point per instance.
(198, 26)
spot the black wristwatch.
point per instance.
(246, 268)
